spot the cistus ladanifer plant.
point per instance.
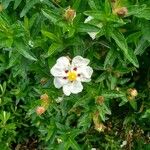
(75, 74)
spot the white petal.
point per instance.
(76, 87)
(85, 74)
(58, 71)
(63, 61)
(66, 89)
(93, 35)
(59, 68)
(59, 82)
(89, 18)
(79, 61)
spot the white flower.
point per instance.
(92, 34)
(70, 75)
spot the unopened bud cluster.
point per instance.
(44, 104)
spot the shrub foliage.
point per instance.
(113, 110)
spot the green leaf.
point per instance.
(54, 17)
(50, 35)
(87, 28)
(141, 47)
(110, 58)
(74, 144)
(121, 42)
(16, 4)
(113, 94)
(99, 15)
(28, 6)
(140, 11)
(107, 7)
(76, 4)
(55, 47)
(94, 4)
(102, 77)
(85, 120)
(5, 3)
(24, 50)
(133, 104)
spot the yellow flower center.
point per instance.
(72, 75)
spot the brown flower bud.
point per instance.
(70, 14)
(43, 81)
(100, 100)
(44, 97)
(122, 11)
(40, 110)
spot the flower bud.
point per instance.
(44, 97)
(45, 100)
(43, 81)
(100, 100)
(122, 11)
(40, 110)
(100, 127)
(70, 14)
(132, 92)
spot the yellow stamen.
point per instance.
(72, 75)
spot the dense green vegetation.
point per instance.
(112, 111)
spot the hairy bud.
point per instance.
(122, 11)
(132, 92)
(40, 110)
(70, 14)
(100, 100)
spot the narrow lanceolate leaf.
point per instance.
(141, 47)
(5, 3)
(140, 11)
(101, 77)
(74, 144)
(110, 58)
(50, 35)
(16, 4)
(87, 28)
(94, 4)
(28, 6)
(55, 47)
(24, 50)
(121, 42)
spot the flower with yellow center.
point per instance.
(69, 75)
(72, 75)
